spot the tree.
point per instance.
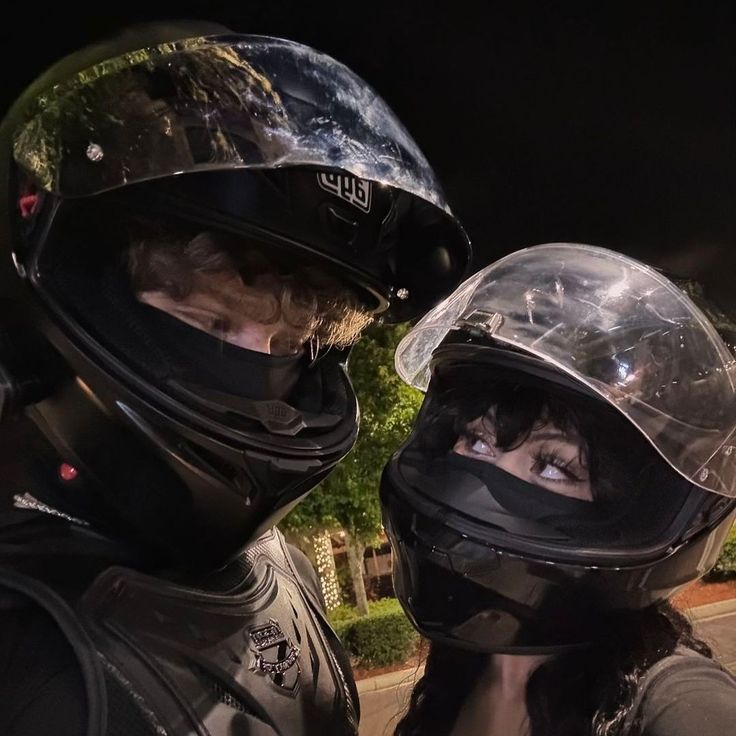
(348, 498)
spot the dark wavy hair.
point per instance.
(587, 692)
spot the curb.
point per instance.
(406, 677)
(712, 610)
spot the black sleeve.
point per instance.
(42, 690)
(696, 699)
(307, 573)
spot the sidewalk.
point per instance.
(385, 697)
(716, 624)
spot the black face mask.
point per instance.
(523, 499)
(493, 496)
(199, 360)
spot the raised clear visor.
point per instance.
(617, 326)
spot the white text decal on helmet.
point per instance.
(353, 190)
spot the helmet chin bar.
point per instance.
(274, 415)
(188, 484)
(185, 498)
(472, 596)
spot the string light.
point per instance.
(325, 563)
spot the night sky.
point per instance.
(609, 127)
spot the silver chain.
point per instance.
(27, 501)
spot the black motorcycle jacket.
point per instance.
(89, 645)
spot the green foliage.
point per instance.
(725, 567)
(348, 498)
(341, 614)
(386, 606)
(381, 638)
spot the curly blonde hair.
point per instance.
(307, 298)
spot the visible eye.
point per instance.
(552, 472)
(552, 467)
(286, 345)
(481, 447)
(206, 321)
(475, 439)
(476, 444)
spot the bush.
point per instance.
(381, 638)
(341, 614)
(725, 567)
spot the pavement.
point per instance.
(715, 623)
(385, 697)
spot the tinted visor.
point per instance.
(216, 102)
(215, 321)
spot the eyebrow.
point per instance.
(559, 435)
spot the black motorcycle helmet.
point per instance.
(263, 142)
(597, 347)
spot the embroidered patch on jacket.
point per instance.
(276, 655)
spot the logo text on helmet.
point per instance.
(356, 192)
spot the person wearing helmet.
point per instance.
(572, 467)
(198, 224)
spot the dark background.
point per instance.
(608, 124)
